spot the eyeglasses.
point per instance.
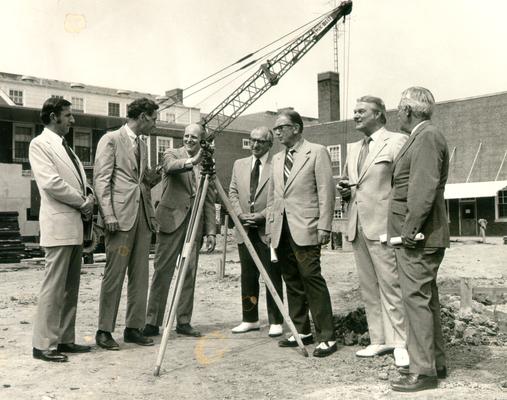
(253, 141)
(280, 127)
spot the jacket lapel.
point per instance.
(300, 158)
(278, 161)
(264, 176)
(378, 145)
(129, 150)
(409, 142)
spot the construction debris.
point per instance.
(12, 248)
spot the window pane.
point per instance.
(77, 104)
(82, 146)
(16, 96)
(502, 204)
(113, 109)
(22, 137)
(163, 143)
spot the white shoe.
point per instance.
(246, 327)
(275, 330)
(401, 358)
(374, 350)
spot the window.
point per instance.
(170, 117)
(83, 146)
(113, 109)
(501, 205)
(77, 104)
(163, 143)
(16, 96)
(22, 136)
(246, 144)
(336, 157)
(56, 96)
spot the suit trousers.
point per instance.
(55, 318)
(169, 247)
(380, 290)
(126, 252)
(306, 287)
(418, 278)
(250, 280)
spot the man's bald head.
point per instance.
(192, 138)
(195, 129)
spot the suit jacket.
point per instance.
(369, 199)
(61, 190)
(417, 198)
(307, 199)
(178, 192)
(239, 191)
(119, 184)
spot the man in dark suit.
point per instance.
(123, 183)
(66, 201)
(301, 200)
(416, 206)
(181, 171)
(248, 193)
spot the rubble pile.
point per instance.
(478, 327)
(12, 249)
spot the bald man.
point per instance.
(181, 170)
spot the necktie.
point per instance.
(363, 154)
(73, 158)
(289, 160)
(137, 151)
(254, 182)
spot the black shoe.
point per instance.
(132, 335)
(151, 330)
(292, 343)
(73, 348)
(318, 352)
(49, 355)
(415, 383)
(186, 329)
(441, 373)
(106, 341)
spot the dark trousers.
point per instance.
(306, 287)
(418, 280)
(250, 281)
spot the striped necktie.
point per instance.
(365, 149)
(289, 160)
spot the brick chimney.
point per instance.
(329, 96)
(176, 95)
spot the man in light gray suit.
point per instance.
(248, 193)
(369, 170)
(66, 200)
(123, 182)
(301, 200)
(181, 171)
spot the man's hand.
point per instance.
(210, 243)
(243, 217)
(254, 220)
(87, 207)
(343, 188)
(197, 158)
(323, 236)
(408, 243)
(111, 224)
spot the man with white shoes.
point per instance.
(248, 193)
(365, 187)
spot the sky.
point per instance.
(456, 48)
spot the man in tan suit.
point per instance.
(248, 193)
(66, 200)
(369, 170)
(181, 171)
(301, 201)
(122, 185)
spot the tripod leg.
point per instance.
(182, 268)
(259, 265)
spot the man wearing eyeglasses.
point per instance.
(301, 201)
(248, 193)
(123, 181)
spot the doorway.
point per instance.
(467, 217)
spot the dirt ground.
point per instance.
(224, 366)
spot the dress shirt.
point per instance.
(417, 126)
(374, 137)
(131, 134)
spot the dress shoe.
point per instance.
(151, 330)
(106, 341)
(374, 350)
(275, 330)
(414, 383)
(291, 342)
(133, 335)
(401, 358)
(49, 355)
(246, 327)
(441, 372)
(72, 348)
(325, 349)
(186, 329)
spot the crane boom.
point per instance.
(269, 73)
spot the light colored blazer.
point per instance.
(307, 199)
(369, 199)
(239, 191)
(178, 194)
(61, 191)
(417, 198)
(119, 184)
